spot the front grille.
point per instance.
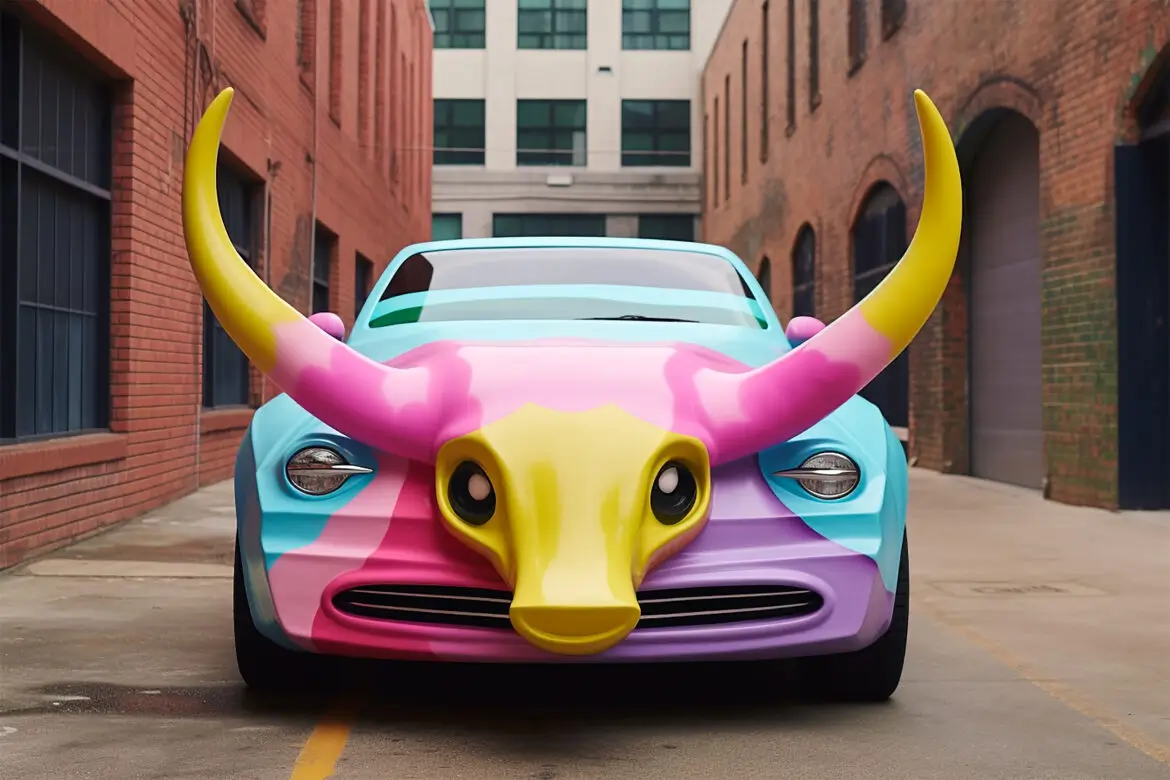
(484, 608)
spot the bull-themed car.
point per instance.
(566, 450)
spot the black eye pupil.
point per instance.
(673, 494)
(471, 494)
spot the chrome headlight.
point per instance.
(318, 471)
(826, 475)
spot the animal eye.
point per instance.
(471, 494)
(674, 493)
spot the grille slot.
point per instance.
(484, 608)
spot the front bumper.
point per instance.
(751, 540)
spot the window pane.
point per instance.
(532, 113)
(570, 113)
(534, 22)
(637, 22)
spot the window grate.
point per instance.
(55, 176)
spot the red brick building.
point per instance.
(117, 393)
(1048, 362)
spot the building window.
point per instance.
(893, 17)
(551, 24)
(857, 34)
(707, 154)
(790, 74)
(656, 24)
(668, 227)
(656, 132)
(765, 87)
(764, 277)
(814, 55)
(363, 280)
(520, 225)
(550, 132)
(804, 274)
(336, 66)
(879, 240)
(324, 247)
(715, 157)
(225, 367)
(727, 137)
(743, 113)
(445, 227)
(55, 178)
(459, 132)
(459, 24)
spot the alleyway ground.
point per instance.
(1040, 648)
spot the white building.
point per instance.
(569, 117)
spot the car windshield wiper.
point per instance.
(641, 317)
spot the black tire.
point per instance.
(263, 664)
(873, 673)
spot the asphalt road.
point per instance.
(115, 668)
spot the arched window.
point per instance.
(764, 277)
(879, 240)
(804, 273)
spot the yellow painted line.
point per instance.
(322, 750)
(1063, 693)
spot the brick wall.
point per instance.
(368, 165)
(1073, 68)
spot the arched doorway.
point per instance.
(804, 273)
(1141, 176)
(879, 241)
(1002, 260)
(764, 277)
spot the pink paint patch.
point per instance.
(801, 329)
(415, 549)
(746, 412)
(351, 535)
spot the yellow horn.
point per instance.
(788, 396)
(242, 303)
(900, 305)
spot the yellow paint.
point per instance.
(573, 531)
(1063, 693)
(901, 304)
(319, 756)
(244, 305)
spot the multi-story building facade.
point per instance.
(1047, 363)
(569, 117)
(118, 390)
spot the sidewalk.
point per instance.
(1075, 600)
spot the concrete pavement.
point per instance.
(1039, 649)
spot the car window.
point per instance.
(577, 283)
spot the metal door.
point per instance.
(1006, 426)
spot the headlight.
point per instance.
(827, 475)
(319, 471)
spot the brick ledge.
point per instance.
(41, 457)
(230, 419)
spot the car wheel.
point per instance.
(873, 673)
(263, 664)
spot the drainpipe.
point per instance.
(191, 115)
(313, 202)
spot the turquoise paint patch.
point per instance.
(248, 524)
(871, 519)
(292, 520)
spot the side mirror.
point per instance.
(330, 323)
(801, 329)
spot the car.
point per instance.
(572, 450)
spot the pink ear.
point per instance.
(801, 329)
(330, 323)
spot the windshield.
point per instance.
(577, 283)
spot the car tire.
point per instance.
(263, 664)
(873, 673)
